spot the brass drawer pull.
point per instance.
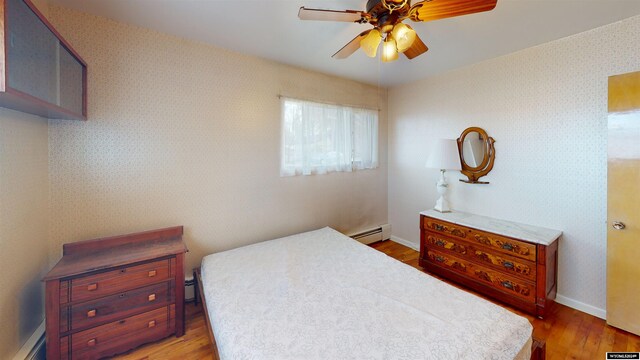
(92, 287)
(508, 265)
(152, 297)
(507, 246)
(439, 258)
(91, 343)
(440, 243)
(91, 313)
(508, 285)
(152, 273)
(151, 324)
(439, 227)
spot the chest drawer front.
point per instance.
(119, 336)
(503, 244)
(110, 282)
(444, 227)
(505, 283)
(437, 241)
(450, 262)
(482, 255)
(117, 306)
(505, 263)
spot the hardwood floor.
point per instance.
(569, 334)
(193, 345)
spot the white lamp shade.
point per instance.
(444, 155)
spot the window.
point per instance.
(321, 138)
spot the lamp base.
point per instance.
(442, 205)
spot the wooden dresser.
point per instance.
(510, 262)
(107, 296)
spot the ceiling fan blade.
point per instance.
(351, 47)
(417, 48)
(330, 15)
(430, 10)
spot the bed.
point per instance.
(322, 295)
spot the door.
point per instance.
(623, 194)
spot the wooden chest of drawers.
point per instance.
(107, 296)
(520, 272)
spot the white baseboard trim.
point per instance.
(404, 242)
(31, 347)
(560, 299)
(575, 304)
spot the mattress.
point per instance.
(322, 295)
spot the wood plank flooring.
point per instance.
(569, 333)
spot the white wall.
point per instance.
(183, 133)
(547, 109)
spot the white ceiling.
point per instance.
(271, 29)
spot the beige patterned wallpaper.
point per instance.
(24, 201)
(181, 132)
(547, 109)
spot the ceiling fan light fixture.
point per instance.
(404, 36)
(371, 42)
(387, 17)
(389, 50)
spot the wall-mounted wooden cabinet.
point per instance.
(40, 73)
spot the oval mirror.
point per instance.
(477, 154)
(473, 150)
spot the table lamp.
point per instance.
(444, 156)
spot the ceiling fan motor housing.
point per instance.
(377, 7)
(383, 18)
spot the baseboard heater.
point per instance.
(380, 233)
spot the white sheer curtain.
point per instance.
(319, 138)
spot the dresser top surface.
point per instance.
(100, 254)
(535, 234)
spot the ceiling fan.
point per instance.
(387, 16)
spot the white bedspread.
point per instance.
(322, 295)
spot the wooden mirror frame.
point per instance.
(475, 173)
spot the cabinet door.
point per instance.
(31, 53)
(40, 65)
(71, 84)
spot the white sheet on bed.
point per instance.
(322, 295)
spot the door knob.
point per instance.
(618, 225)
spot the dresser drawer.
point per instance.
(508, 264)
(503, 244)
(496, 279)
(114, 307)
(108, 339)
(444, 227)
(94, 286)
(437, 241)
(482, 255)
